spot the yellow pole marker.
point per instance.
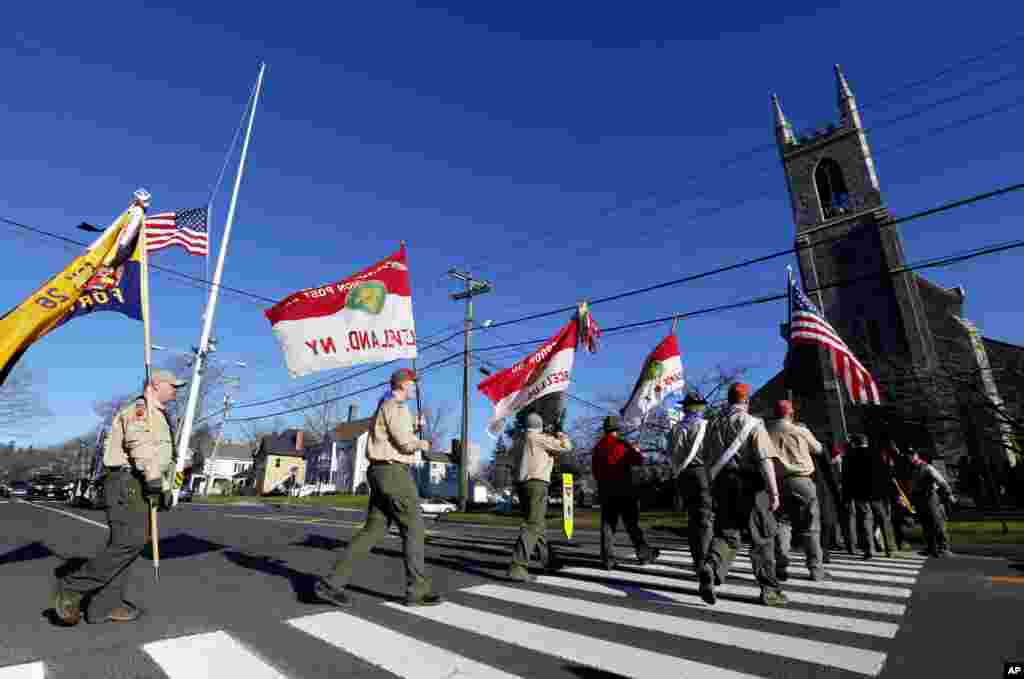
(567, 505)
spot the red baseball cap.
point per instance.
(402, 375)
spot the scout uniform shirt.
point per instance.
(143, 442)
(537, 462)
(796, 446)
(723, 432)
(927, 480)
(391, 435)
(684, 438)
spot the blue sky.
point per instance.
(494, 138)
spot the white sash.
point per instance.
(737, 443)
(693, 449)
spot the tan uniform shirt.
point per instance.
(392, 438)
(683, 440)
(724, 430)
(796, 445)
(538, 451)
(144, 443)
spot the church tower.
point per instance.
(845, 233)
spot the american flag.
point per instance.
(186, 228)
(809, 326)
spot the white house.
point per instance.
(219, 469)
(339, 462)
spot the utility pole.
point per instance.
(473, 287)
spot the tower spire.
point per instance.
(849, 115)
(783, 130)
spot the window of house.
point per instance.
(832, 191)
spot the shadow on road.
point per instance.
(317, 541)
(591, 673)
(29, 552)
(181, 545)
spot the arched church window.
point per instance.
(832, 192)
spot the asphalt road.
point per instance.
(234, 600)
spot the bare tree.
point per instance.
(436, 423)
(22, 405)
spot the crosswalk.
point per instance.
(636, 621)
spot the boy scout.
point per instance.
(928, 485)
(536, 462)
(692, 477)
(391, 448)
(136, 455)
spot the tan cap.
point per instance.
(165, 376)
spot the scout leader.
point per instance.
(137, 452)
(391, 448)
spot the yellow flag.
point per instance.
(44, 309)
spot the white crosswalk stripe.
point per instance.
(614, 622)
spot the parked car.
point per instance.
(19, 490)
(432, 506)
(47, 487)
(185, 494)
(5, 490)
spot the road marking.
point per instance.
(1008, 579)
(823, 600)
(604, 655)
(885, 630)
(215, 655)
(397, 653)
(35, 670)
(890, 562)
(746, 565)
(797, 648)
(834, 585)
(71, 514)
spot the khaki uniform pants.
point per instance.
(800, 514)
(107, 574)
(393, 499)
(741, 501)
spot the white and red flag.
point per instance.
(545, 371)
(364, 318)
(662, 375)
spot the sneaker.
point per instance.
(652, 556)
(425, 600)
(328, 593)
(707, 591)
(68, 607)
(519, 575)
(775, 597)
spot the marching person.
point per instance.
(870, 480)
(391, 448)
(743, 485)
(928, 485)
(826, 480)
(691, 476)
(136, 454)
(536, 462)
(796, 446)
(613, 459)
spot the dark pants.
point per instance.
(848, 522)
(932, 514)
(107, 574)
(872, 514)
(533, 498)
(620, 501)
(393, 498)
(741, 502)
(901, 520)
(695, 489)
(799, 514)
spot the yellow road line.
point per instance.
(1008, 579)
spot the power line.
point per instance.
(424, 369)
(926, 264)
(763, 258)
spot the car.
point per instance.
(5, 490)
(19, 490)
(438, 507)
(185, 494)
(47, 487)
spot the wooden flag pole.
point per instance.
(154, 533)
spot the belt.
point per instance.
(118, 468)
(382, 463)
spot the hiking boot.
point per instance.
(328, 593)
(519, 574)
(826, 558)
(425, 600)
(68, 607)
(651, 557)
(707, 590)
(781, 575)
(123, 613)
(554, 564)
(773, 597)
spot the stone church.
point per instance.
(944, 387)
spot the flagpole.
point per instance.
(211, 305)
(789, 332)
(154, 532)
(835, 377)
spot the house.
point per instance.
(279, 463)
(225, 463)
(332, 465)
